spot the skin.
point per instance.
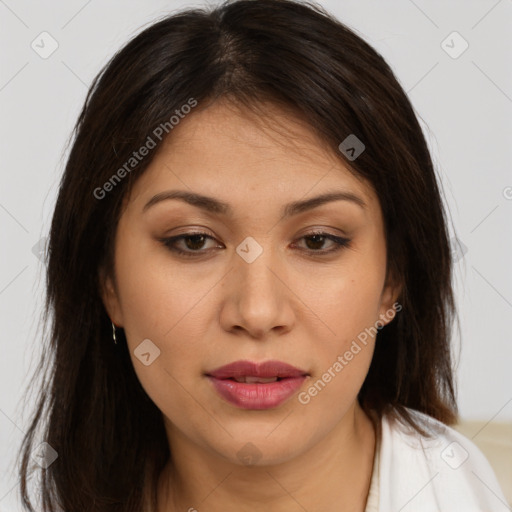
(289, 304)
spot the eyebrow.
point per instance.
(213, 205)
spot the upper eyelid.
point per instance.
(205, 233)
(203, 230)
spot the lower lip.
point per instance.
(257, 396)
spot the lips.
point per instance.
(250, 385)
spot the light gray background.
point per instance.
(465, 105)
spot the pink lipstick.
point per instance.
(251, 385)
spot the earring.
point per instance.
(114, 332)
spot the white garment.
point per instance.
(372, 502)
(446, 473)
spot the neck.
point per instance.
(333, 476)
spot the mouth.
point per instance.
(250, 385)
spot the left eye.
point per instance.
(194, 242)
(316, 239)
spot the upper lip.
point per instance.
(264, 370)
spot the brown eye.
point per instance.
(315, 242)
(194, 243)
(192, 246)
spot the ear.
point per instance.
(389, 305)
(110, 298)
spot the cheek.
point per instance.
(159, 296)
(164, 307)
(343, 354)
(349, 307)
(167, 307)
(350, 301)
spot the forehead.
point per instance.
(227, 150)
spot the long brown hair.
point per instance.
(92, 410)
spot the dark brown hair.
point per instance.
(92, 410)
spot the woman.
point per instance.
(249, 278)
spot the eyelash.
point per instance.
(340, 242)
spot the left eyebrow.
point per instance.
(214, 205)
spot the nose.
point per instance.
(258, 299)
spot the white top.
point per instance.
(446, 473)
(372, 503)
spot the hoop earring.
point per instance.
(114, 333)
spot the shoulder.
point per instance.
(445, 471)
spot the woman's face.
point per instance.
(258, 286)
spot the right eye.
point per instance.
(193, 243)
